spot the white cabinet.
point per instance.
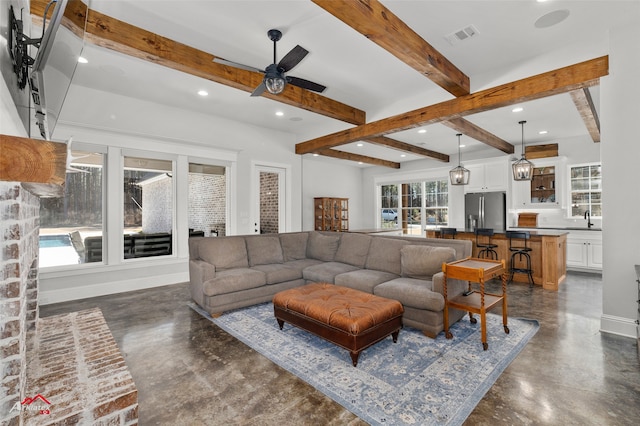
(584, 250)
(545, 189)
(487, 176)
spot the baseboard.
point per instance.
(103, 289)
(617, 325)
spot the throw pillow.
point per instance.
(294, 245)
(322, 247)
(264, 250)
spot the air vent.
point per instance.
(462, 34)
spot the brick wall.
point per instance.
(19, 227)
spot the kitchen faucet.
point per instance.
(587, 215)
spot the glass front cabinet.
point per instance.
(545, 189)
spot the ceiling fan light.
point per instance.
(275, 85)
(273, 80)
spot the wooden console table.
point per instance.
(475, 301)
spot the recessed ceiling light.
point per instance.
(422, 131)
(462, 145)
(552, 18)
(542, 132)
(359, 144)
(517, 109)
(359, 162)
(203, 93)
(403, 155)
(279, 113)
(315, 155)
(82, 60)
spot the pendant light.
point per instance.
(522, 169)
(459, 175)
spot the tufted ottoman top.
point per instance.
(346, 309)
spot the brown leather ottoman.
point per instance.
(349, 318)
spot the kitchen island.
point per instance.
(548, 254)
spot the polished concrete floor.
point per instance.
(190, 372)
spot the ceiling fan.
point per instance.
(275, 79)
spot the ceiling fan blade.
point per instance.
(236, 65)
(259, 90)
(292, 58)
(306, 84)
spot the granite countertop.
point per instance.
(532, 231)
(564, 228)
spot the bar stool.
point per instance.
(448, 231)
(518, 247)
(483, 242)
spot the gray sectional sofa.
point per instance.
(237, 271)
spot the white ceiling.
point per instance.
(355, 70)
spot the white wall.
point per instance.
(621, 196)
(330, 179)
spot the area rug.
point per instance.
(416, 381)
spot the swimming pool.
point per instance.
(52, 241)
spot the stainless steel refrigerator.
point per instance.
(486, 210)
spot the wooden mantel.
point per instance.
(39, 164)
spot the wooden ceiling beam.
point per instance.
(377, 23)
(467, 128)
(407, 147)
(334, 153)
(105, 31)
(562, 80)
(584, 103)
(32, 160)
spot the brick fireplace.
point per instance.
(65, 369)
(18, 292)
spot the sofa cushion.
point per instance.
(353, 249)
(301, 264)
(326, 272)
(294, 245)
(384, 255)
(264, 249)
(411, 292)
(224, 252)
(232, 280)
(278, 273)
(322, 247)
(423, 262)
(363, 279)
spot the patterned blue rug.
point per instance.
(416, 381)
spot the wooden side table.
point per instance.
(474, 301)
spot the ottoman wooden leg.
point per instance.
(394, 335)
(280, 323)
(354, 357)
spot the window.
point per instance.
(148, 207)
(586, 190)
(437, 202)
(420, 205)
(207, 200)
(389, 203)
(69, 223)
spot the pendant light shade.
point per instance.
(459, 175)
(522, 169)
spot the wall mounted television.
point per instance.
(55, 63)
